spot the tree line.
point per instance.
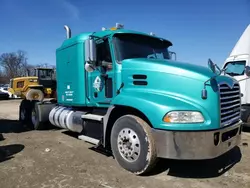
(15, 64)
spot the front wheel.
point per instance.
(133, 145)
(35, 94)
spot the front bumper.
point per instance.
(196, 145)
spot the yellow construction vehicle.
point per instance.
(41, 85)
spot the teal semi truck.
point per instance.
(120, 90)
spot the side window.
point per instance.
(42, 74)
(104, 54)
(20, 84)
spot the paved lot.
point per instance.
(53, 159)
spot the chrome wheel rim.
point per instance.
(129, 145)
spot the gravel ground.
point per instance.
(55, 159)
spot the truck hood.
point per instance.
(182, 69)
(168, 86)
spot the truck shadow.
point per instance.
(246, 129)
(7, 152)
(199, 169)
(11, 126)
(3, 99)
(187, 168)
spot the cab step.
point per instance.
(89, 139)
(92, 117)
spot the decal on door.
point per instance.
(98, 84)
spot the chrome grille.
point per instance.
(230, 103)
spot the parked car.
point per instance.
(4, 95)
(5, 89)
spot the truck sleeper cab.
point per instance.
(120, 90)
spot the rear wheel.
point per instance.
(35, 123)
(25, 112)
(133, 145)
(35, 94)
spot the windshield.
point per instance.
(45, 74)
(140, 46)
(235, 68)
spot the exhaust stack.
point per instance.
(68, 31)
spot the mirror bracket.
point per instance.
(211, 65)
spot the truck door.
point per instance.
(100, 81)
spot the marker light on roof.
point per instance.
(151, 33)
(119, 26)
(113, 28)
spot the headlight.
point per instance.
(183, 117)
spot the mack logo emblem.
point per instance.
(230, 85)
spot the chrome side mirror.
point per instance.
(90, 51)
(247, 70)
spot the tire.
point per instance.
(35, 94)
(35, 124)
(25, 112)
(143, 150)
(245, 116)
(1, 137)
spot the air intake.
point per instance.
(140, 79)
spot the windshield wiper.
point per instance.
(232, 73)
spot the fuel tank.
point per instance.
(66, 118)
